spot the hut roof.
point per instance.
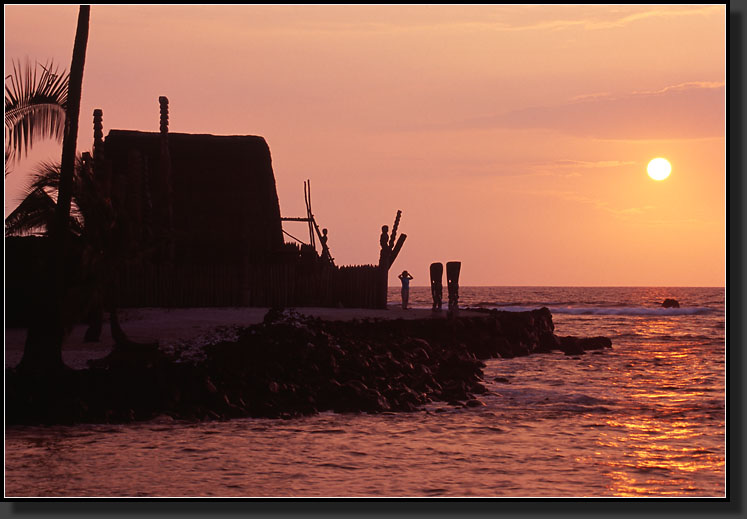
(225, 201)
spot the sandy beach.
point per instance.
(185, 330)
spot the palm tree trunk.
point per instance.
(70, 139)
(43, 348)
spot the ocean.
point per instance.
(643, 419)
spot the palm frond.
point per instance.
(35, 105)
(32, 216)
(36, 212)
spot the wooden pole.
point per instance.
(307, 200)
(166, 176)
(397, 248)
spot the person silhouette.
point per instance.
(405, 278)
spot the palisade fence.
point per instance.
(150, 285)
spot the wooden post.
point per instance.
(394, 232)
(437, 287)
(452, 278)
(307, 201)
(98, 134)
(397, 248)
(98, 128)
(166, 176)
(101, 173)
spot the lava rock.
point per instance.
(292, 365)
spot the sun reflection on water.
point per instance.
(652, 443)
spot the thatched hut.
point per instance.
(198, 224)
(224, 203)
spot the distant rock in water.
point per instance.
(578, 345)
(670, 303)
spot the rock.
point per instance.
(291, 365)
(571, 346)
(577, 346)
(595, 343)
(670, 303)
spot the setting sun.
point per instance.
(659, 169)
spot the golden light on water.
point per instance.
(659, 168)
(652, 464)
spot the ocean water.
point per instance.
(643, 419)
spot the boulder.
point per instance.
(594, 343)
(670, 303)
(571, 345)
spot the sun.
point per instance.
(659, 168)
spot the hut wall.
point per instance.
(25, 263)
(263, 285)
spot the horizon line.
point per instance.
(572, 286)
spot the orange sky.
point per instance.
(513, 138)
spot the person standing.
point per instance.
(405, 278)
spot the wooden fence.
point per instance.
(363, 286)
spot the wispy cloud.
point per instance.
(565, 168)
(372, 19)
(597, 95)
(688, 110)
(593, 18)
(641, 215)
(683, 87)
(567, 163)
(572, 196)
(658, 12)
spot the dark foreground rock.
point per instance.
(670, 303)
(292, 365)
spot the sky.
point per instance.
(514, 138)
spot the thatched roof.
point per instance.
(225, 202)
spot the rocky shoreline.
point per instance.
(292, 365)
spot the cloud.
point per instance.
(572, 196)
(567, 163)
(378, 19)
(561, 168)
(512, 18)
(685, 111)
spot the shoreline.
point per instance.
(288, 364)
(176, 327)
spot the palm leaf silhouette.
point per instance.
(36, 213)
(35, 104)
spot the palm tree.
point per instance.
(43, 349)
(35, 105)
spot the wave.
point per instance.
(616, 310)
(533, 304)
(691, 337)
